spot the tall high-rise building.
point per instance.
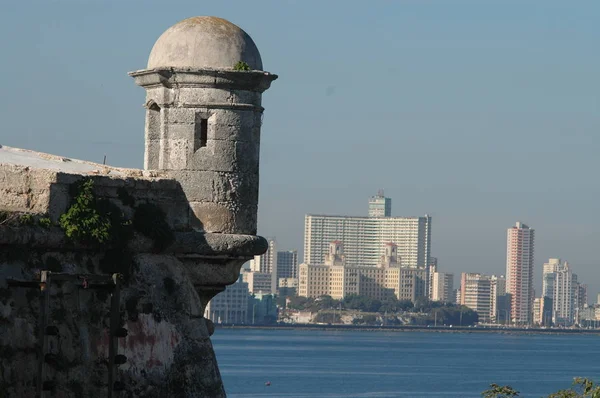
(548, 270)
(287, 264)
(364, 238)
(519, 272)
(476, 293)
(498, 289)
(267, 264)
(565, 290)
(380, 206)
(442, 287)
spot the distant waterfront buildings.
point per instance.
(476, 293)
(337, 279)
(229, 306)
(380, 206)
(442, 287)
(287, 264)
(267, 264)
(519, 272)
(364, 238)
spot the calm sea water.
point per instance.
(311, 363)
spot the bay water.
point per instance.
(352, 363)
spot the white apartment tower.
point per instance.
(267, 264)
(519, 272)
(476, 293)
(565, 291)
(442, 286)
(380, 206)
(364, 238)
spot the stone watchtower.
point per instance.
(204, 84)
(105, 272)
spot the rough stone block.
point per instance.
(247, 156)
(179, 153)
(14, 178)
(160, 95)
(152, 155)
(216, 156)
(180, 131)
(197, 185)
(182, 115)
(212, 217)
(203, 96)
(236, 188)
(246, 97)
(240, 118)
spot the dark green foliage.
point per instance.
(582, 388)
(45, 222)
(83, 222)
(362, 303)
(170, 285)
(125, 197)
(241, 66)
(327, 317)
(150, 220)
(26, 219)
(497, 391)
(52, 264)
(369, 319)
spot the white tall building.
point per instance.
(565, 292)
(476, 293)
(442, 287)
(519, 272)
(365, 238)
(267, 264)
(548, 270)
(380, 206)
(498, 288)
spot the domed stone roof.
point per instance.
(204, 43)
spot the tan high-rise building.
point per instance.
(442, 287)
(338, 280)
(519, 272)
(476, 293)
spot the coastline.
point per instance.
(431, 329)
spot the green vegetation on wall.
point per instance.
(241, 66)
(83, 221)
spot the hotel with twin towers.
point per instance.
(364, 238)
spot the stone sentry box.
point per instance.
(201, 169)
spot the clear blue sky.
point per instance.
(480, 113)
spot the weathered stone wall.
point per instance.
(48, 192)
(168, 350)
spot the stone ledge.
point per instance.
(193, 244)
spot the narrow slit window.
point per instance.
(200, 133)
